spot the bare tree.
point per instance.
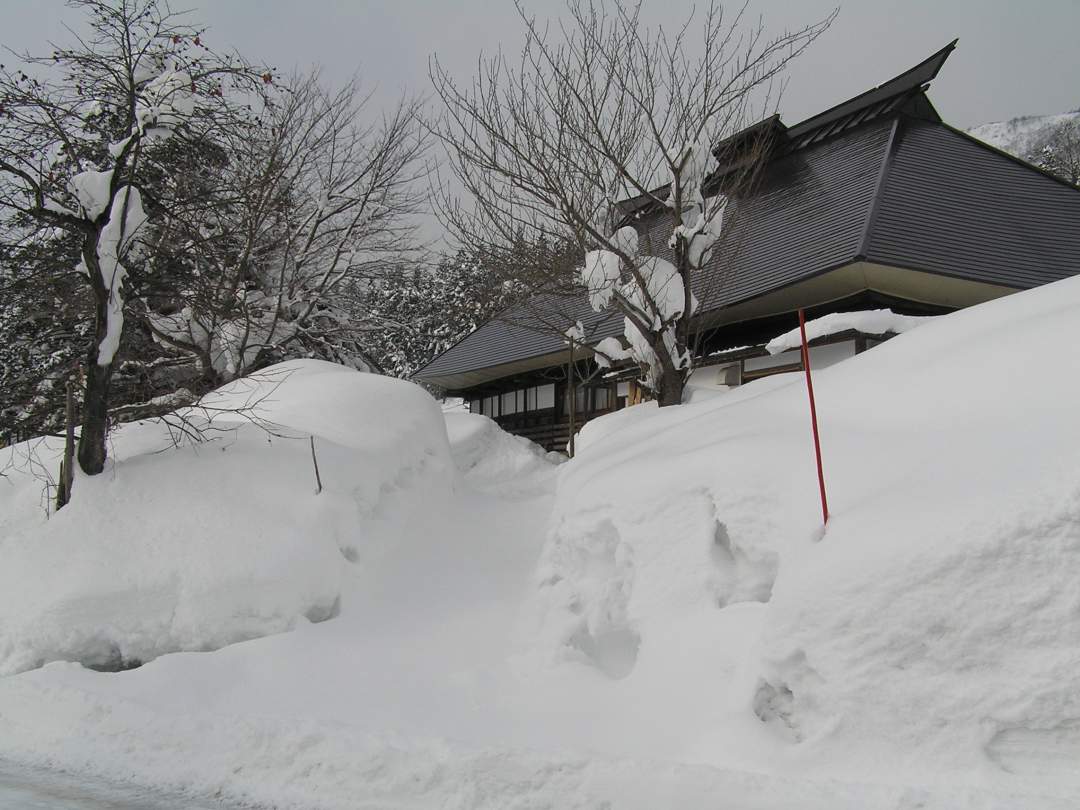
(600, 111)
(307, 209)
(1058, 150)
(78, 131)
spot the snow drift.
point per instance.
(198, 546)
(670, 625)
(933, 628)
(493, 460)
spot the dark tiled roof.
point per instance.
(878, 101)
(522, 334)
(808, 215)
(954, 206)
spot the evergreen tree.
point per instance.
(1058, 150)
(421, 313)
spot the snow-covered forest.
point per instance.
(1051, 142)
(246, 561)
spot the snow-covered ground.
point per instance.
(660, 622)
(24, 788)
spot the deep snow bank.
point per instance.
(197, 546)
(493, 460)
(934, 628)
(687, 633)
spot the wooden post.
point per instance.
(67, 468)
(571, 394)
(315, 461)
(813, 417)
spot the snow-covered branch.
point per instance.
(310, 207)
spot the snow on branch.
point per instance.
(164, 103)
(91, 189)
(600, 275)
(125, 219)
(575, 334)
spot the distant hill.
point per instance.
(1018, 134)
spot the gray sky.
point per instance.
(1014, 58)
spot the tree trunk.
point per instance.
(67, 471)
(671, 388)
(672, 380)
(571, 396)
(95, 411)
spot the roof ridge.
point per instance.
(911, 78)
(879, 185)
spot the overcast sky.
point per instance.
(1014, 58)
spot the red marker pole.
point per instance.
(813, 417)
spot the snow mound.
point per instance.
(194, 547)
(930, 633)
(455, 405)
(596, 429)
(492, 460)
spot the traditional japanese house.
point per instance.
(874, 203)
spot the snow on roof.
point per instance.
(732, 350)
(869, 322)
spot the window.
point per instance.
(509, 403)
(475, 406)
(581, 400)
(602, 399)
(523, 400)
(545, 396)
